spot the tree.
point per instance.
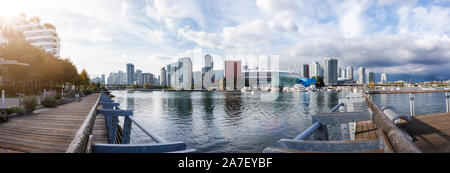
(84, 79)
(319, 81)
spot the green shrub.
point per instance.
(86, 92)
(58, 96)
(30, 104)
(49, 102)
(3, 116)
(12, 110)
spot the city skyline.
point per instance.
(407, 37)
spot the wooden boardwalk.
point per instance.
(48, 130)
(366, 130)
(430, 133)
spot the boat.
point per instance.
(299, 88)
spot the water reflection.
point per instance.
(226, 121)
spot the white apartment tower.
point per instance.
(331, 71)
(40, 35)
(349, 73)
(361, 75)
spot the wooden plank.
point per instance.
(47, 130)
(431, 133)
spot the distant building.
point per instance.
(168, 75)
(181, 74)
(130, 74)
(233, 75)
(147, 78)
(138, 78)
(305, 71)
(163, 77)
(349, 73)
(361, 75)
(315, 69)
(383, 78)
(103, 79)
(331, 71)
(208, 64)
(370, 77)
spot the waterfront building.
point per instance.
(305, 71)
(315, 69)
(103, 79)
(370, 77)
(112, 78)
(122, 78)
(130, 74)
(181, 74)
(331, 71)
(43, 36)
(349, 73)
(168, 75)
(208, 75)
(361, 75)
(233, 75)
(138, 78)
(383, 78)
(147, 78)
(163, 78)
(208, 64)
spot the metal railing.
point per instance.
(315, 126)
(121, 143)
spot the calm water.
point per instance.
(242, 122)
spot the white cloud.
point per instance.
(101, 35)
(156, 35)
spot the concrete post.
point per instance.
(3, 99)
(411, 105)
(447, 101)
(45, 93)
(62, 93)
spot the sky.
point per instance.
(396, 37)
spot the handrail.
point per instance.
(156, 138)
(114, 110)
(396, 137)
(79, 142)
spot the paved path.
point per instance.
(48, 130)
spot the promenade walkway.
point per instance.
(48, 130)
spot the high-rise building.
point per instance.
(314, 69)
(130, 74)
(102, 79)
(208, 78)
(233, 75)
(331, 71)
(349, 73)
(163, 78)
(147, 78)
(168, 75)
(370, 77)
(208, 63)
(361, 75)
(138, 78)
(43, 36)
(181, 74)
(383, 78)
(305, 71)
